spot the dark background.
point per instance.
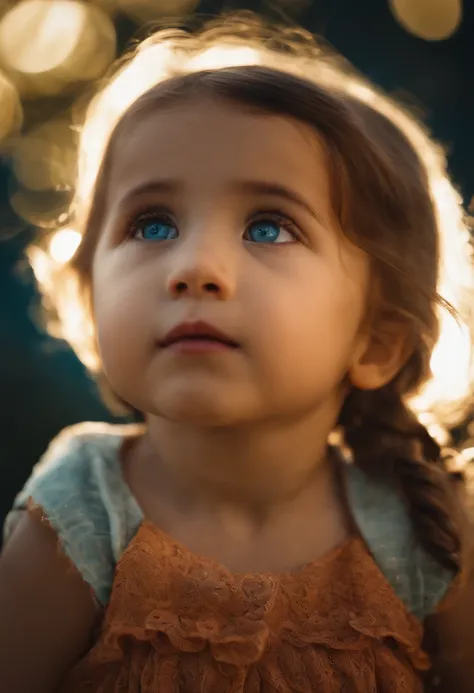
(43, 387)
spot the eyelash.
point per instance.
(153, 213)
(282, 220)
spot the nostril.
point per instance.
(182, 287)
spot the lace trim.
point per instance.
(179, 622)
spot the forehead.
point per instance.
(208, 142)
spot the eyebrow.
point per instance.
(250, 187)
(277, 190)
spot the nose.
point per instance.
(203, 270)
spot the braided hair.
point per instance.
(388, 440)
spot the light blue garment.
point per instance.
(80, 487)
(417, 579)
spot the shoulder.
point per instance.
(78, 487)
(78, 447)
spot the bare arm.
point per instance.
(454, 624)
(47, 613)
(455, 634)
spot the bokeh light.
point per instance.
(31, 34)
(109, 6)
(11, 113)
(49, 44)
(64, 244)
(431, 20)
(42, 209)
(147, 10)
(45, 158)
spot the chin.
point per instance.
(201, 408)
(200, 413)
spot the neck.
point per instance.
(255, 468)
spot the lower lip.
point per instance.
(199, 346)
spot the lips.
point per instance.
(196, 332)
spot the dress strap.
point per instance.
(418, 579)
(79, 487)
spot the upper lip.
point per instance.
(196, 329)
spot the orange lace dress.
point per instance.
(176, 622)
(179, 622)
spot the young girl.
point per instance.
(265, 243)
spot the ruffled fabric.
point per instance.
(177, 622)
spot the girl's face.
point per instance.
(218, 215)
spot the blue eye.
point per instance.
(270, 231)
(155, 230)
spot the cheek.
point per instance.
(122, 303)
(313, 299)
(308, 324)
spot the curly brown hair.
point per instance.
(390, 194)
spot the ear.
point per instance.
(381, 354)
